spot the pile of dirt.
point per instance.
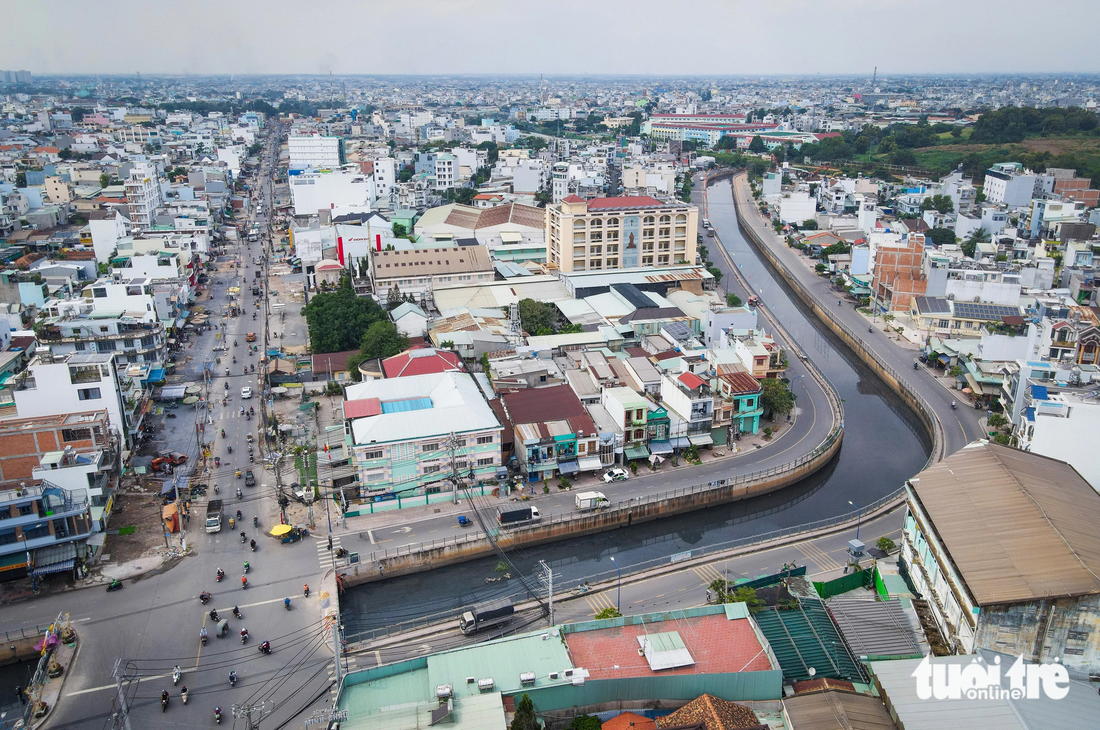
(137, 517)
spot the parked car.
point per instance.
(246, 393)
(615, 475)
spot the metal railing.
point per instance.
(855, 342)
(567, 587)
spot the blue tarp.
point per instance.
(944, 359)
(1039, 392)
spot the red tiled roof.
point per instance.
(572, 199)
(332, 362)
(362, 408)
(691, 380)
(628, 201)
(630, 721)
(741, 382)
(421, 361)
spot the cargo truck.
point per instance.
(214, 516)
(588, 501)
(515, 517)
(486, 615)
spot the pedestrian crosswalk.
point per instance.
(818, 557)
(324, 555)
(599, 602)
(348, 665)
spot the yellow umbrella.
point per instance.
(280, 530)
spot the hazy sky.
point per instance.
(563, 37)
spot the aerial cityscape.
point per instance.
(686, 389)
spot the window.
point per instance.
(431, 468)
(429, 447)
(639, 433)
(42, 530)
(376, 454)
(80, 346)
(88, 394)
(489, 461)
(26, 509)
(76, 434)
(460, 444)
(484, 440)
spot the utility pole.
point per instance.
(336, 649)
(452, 444)
(246, 712)
(547, 579)
(124, 708)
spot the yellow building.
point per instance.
(620, 233)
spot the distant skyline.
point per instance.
(568, 37)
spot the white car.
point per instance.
(614, 475)
(246, 393)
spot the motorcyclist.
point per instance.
(247, 567)
(238, 511)
(305, 589)
(266, 647)
(230, 448)
(244, 635)
(252, 544)
(232, 677)
(183, 694)
(286, 603)
(214, 614)
(237, 612)
(255, 523)
(223, 433)
(202, 634)
(244, 582)
(164, 697)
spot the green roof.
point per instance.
(503, 660)
(806, 637)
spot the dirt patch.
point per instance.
(142, 512)
(931, 629)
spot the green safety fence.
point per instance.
(845, 583)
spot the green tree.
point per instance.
(757, 144)
(609, 612)
(808, 225)
(586, 722)
(21, 179)
(383, 340)
(939, 203)
(255, 148)
(399, 230)
(464, 196)
(885, 544)
(970, 245)
(338, 319)
(733, 300)
(941, 236)
(537, 316)
(104, 180)
(777, 398)
(525, 719)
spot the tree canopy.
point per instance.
(538, 318)
(1014, 124)
(382, 340)
(777, 397)
(939, 203)
(941, 236)
(338, 319)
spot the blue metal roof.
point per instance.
(1039, 392)
(408, 404)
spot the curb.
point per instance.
(64, 678)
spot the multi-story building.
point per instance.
(338, 191)
(1031, 592)
(143, 195)
(53, 385)
(24, 441)
(385, 177)
(1008, 183)
(131, 340)
(737, 401)
(421, 271)
(315, 150)
(1071, 187)
(691, 400)
(398, 432)
(620, 233)
(629, 412)
(554, 435)
(37, 523)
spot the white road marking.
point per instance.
(111, 686)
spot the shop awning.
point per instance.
(54, 567)
(173, 392)
(701, 439)
(660, 447)
(636, 452)
(944, 359)
(590, 463)
(568, 467)
(679, 442)
(13, 561)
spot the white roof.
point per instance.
(457, 405)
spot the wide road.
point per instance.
(961, 425)
(685, 588)
(154, 623)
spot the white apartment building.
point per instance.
(315, 150)
(106, 232)
(340, 191)
(143, 194)
(446, 171)
(1008, 183)
(385, 177)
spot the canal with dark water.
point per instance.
(884, 444)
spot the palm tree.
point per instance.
(970, 245)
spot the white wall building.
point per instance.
(385, 177)
(313, 150)
(340, 191)
(797, 207)
(106, 233)
(143, 194)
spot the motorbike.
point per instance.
(176, 673)
(164, 700)
(217, 462)
(286, 603)
(244, 582)
(220, 575)
(952, 405)
(251, 459)
(244, 635)
(114, 585)
(252, 367)
(183, 695)
(232, 679)
(253, 315)
(204, 597)
(238, 473)
(252, 544)
(229, 448)
(255, 522)
(247, 567)
(916, 366)
(169, 415)
(265, 648)
(234, 359)
(223, 433)
(237, 613)
(202, 636)
(247, 417)
(305, 590)
(870, 329)
(226, 386)
(244, 538)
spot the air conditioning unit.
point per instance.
(485, 685)
(471, 680)
(554, 675)
(527, 679)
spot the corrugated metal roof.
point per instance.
(807, 637)
(831, 710)
(874, 628)
(503, 660)
(1018, 526)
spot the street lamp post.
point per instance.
(859, 516)
(619, 589)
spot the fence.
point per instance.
(845, 583)
(571, 586)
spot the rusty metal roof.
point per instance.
(1018, 526)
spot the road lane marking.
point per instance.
(115, 687)
(370, 534)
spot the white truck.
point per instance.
(214, 516)
(590, 501)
